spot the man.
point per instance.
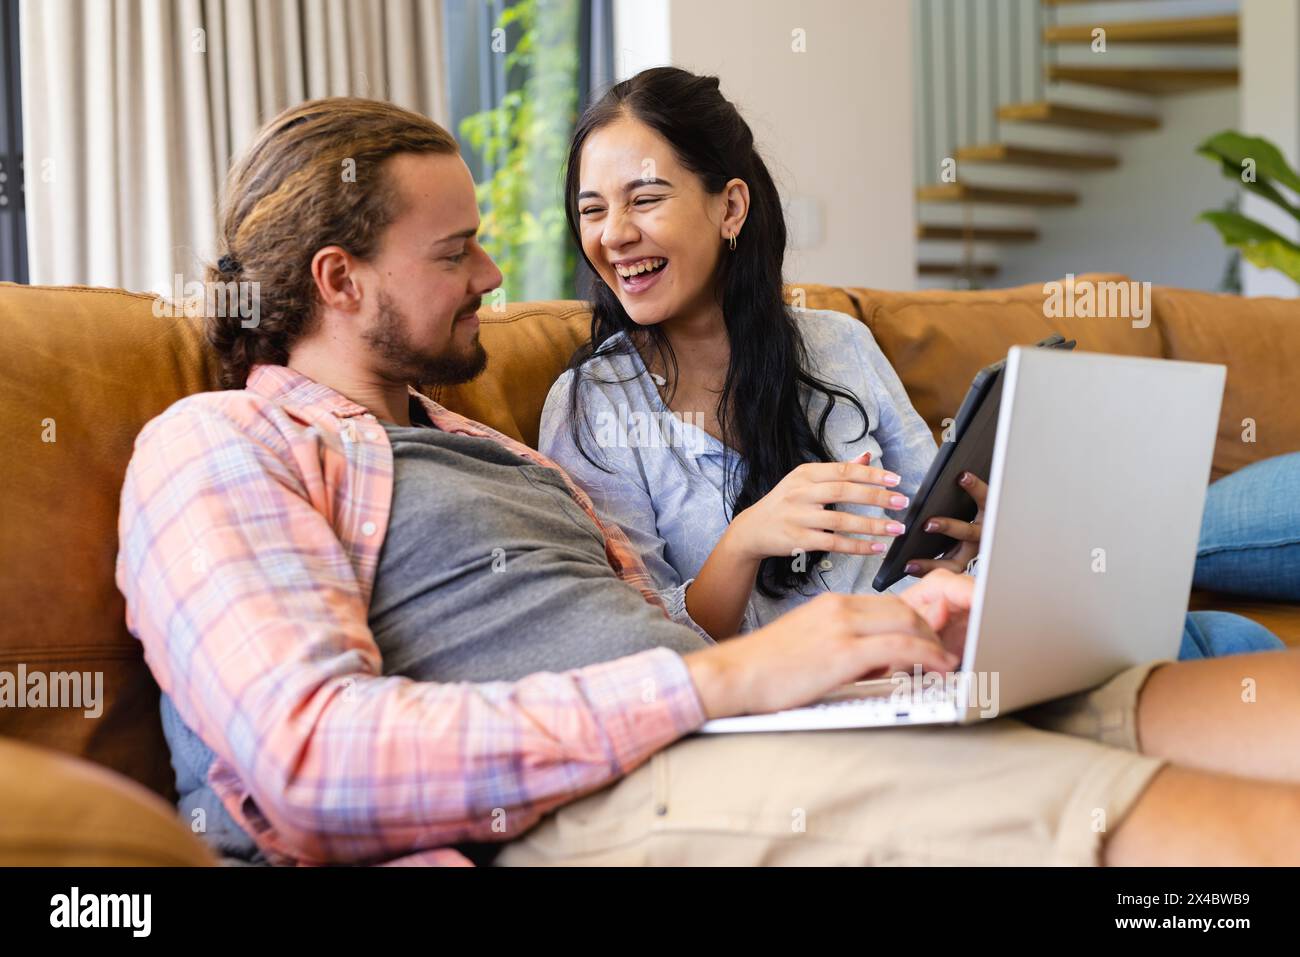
(384, 632)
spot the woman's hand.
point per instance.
(789, 521)
(967, 533)
(793, 517)
(943, 599)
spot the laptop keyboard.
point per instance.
(933, 705)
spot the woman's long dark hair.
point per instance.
(763, 409)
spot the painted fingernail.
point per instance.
(910, 568)
(931, 526)
(891, 479)
(965, 478)
(878, 547)
(898, 501)
(895, 528)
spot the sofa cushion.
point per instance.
(57, 811)
(937, 340)
(1262, 338)
(528, 345)
(81, 372)
(811, 295)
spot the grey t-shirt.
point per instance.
(490, 571)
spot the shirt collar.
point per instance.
(288, 387)
(291, 388)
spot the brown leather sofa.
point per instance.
(83, 369)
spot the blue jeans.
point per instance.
(1213, 634)
(1250, 535)
(1250, 546)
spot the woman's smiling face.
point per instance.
(649, 228)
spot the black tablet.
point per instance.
(970, 450)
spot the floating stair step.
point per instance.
(957, 269)
(1011, 155)
(990, 234)
(1150, 80)
(965, 193)
(1050, 113)
(1188, 30)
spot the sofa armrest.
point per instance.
(57, 810)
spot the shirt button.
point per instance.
(826, 564)
(368, 528)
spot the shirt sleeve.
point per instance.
(253, 621)
(620, 494)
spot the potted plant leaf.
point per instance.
(1261, 169)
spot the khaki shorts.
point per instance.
(1043, 787)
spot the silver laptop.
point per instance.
(1095, 498)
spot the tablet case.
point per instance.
(971, 450)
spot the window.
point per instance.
(519, 72)
(13, 225)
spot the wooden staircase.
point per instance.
(1155, 81)
(1012, 155)
(1060, 114)
(1051, 113)
(966, 193)
(972, 233)
(1221, 30)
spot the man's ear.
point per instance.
(334, 271)
(736, 208)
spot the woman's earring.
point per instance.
(732, 243)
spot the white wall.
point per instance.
(834, 123)
(641, 37)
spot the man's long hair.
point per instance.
(313, 177)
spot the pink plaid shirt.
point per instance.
(250, 528)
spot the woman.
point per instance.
(711, 422)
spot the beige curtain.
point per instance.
(133, 110)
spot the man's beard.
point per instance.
(404, 363)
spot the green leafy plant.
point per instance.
(524, 142)
(1260, 168)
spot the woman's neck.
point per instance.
(700, 344)
(701, 350)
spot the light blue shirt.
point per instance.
(666, 488)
